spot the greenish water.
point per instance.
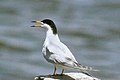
(90, 28)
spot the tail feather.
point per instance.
(84, 68)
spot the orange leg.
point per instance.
(54, 71)
(62, 71)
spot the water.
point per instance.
(90, 28)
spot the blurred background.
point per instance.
(91, 29)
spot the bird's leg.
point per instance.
(62, 71)
(54, 71)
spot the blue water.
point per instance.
(91, 29)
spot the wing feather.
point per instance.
(62, 56)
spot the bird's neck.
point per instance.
(50, 37)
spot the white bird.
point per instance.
(54, 51)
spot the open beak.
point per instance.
(37, 23)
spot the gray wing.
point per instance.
(57, 55)
(53, 57)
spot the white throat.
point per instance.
(51, 38)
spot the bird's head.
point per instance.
(47, 24)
